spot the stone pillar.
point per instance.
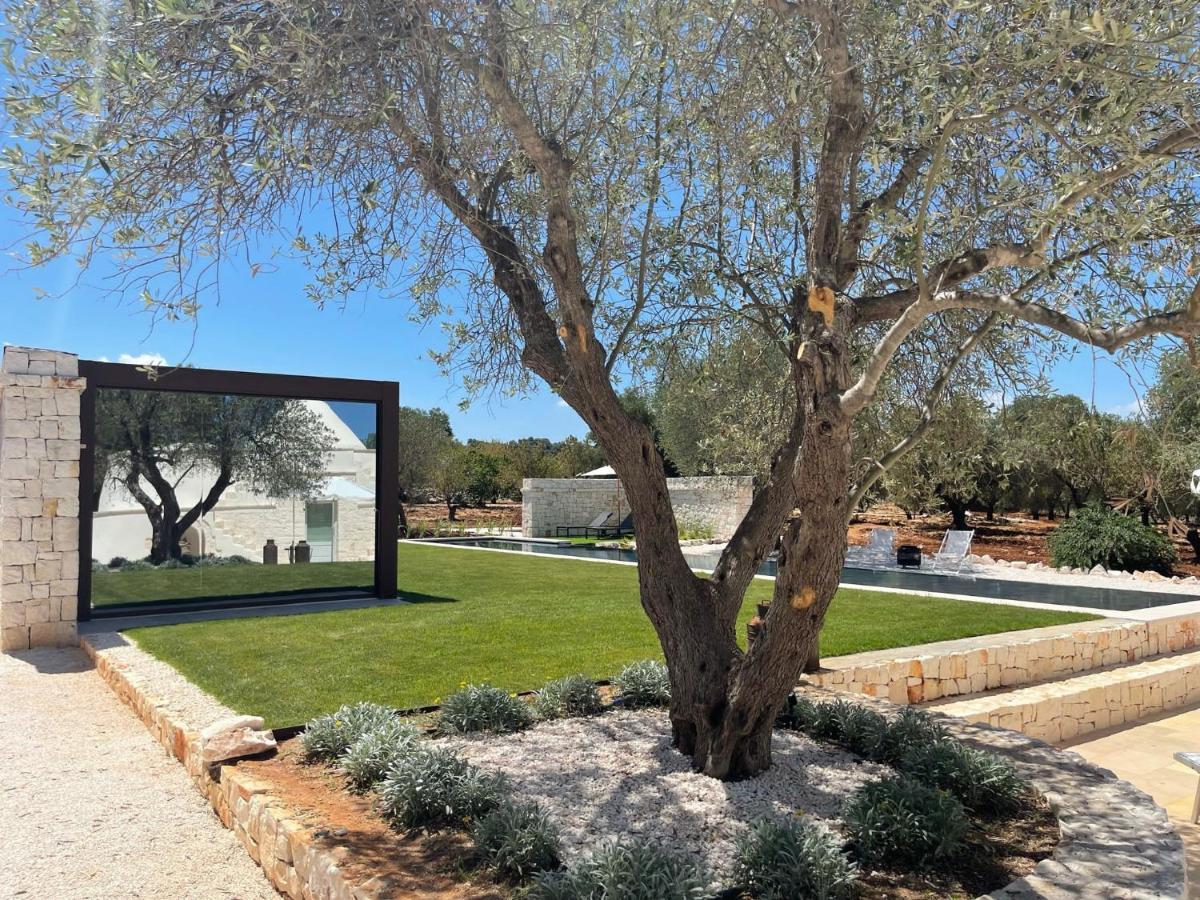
(39, 498)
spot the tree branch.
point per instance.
(880, 467)
(1181, 323)
(844, 125)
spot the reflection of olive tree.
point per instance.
(147, 442)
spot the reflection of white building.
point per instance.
(338, 522)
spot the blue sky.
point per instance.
(262, 324)
(265, 323)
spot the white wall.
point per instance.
(720, 502)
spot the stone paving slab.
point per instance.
(91, 808)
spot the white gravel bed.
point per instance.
(1113, 580)
(616, 776)
(187, 702)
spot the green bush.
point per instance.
(481, 707)
(567, 698)
(793, 860)
(898, 822)
(367, 760)
(517, 841)
(329, 736)
(644, 684)
(694, 529)
(432, 788)
(983, 781)
(910, 728)
(1096, 535)
(799, 714)
(623, 872)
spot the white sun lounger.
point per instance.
(880, 550)
(599, 522)
(950, 556)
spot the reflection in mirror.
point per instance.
(202, 496)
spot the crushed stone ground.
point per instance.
(91, 806)
(616, 776)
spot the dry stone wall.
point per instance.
(718, 503)
(973, 665)
(39, 498)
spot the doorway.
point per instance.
(319, 529)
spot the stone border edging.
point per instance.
(287, 850)
(1115, 841)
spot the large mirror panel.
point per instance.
(219, 496)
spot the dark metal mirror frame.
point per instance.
(385, 395)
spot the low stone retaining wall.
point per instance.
(295, 859)
(1115, 841)
(1061, 710)
(956, 668)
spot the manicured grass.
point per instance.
(112, 586)
(511, 620)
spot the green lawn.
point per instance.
(511, 620)
(111, 587)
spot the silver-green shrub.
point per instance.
(329, 736)
(481, 707)
(517, 841)
(911, 728)
(643, 684)
(900, 823)
(367, 760)
(623, 872)
(793, 860)
(983, 781)
(568, 698)
(431, 788)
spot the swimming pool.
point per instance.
(1115, 599)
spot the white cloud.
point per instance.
(563, 403)
(142, 359)
(1132, 408)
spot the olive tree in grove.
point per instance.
(573, 185)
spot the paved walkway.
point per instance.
(91, 806)
(1143, 754)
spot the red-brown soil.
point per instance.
(1010, 537)
(416, 865)
(503, 514)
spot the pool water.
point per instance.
(1115, 599)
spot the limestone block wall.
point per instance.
(718, 502)
(283, 521)
(972, 665)
(39, 498)
(1061, 710)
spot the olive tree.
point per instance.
(597, 179)
(149, 442)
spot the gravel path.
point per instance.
(617, 776)
(91, 806)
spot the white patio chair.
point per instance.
(879, 551)
(955, 547)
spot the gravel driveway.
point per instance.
(91, 806)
